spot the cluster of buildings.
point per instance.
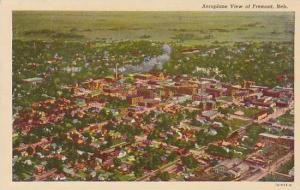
(117, 106)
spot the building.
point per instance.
(231, 90)
(214, 92)
(134, 99)
(241, 95)
(189, 90)
(261, 115)
(151, 103)
(207, 105)
(226, 165)
(210, 115)
(261, 103)
(109, 79)
(201, 97)
(34, 80)
(238, 170)
(143, 76)
(95, 84)
(286, 140)
(203, 85)
(190, 51)
(111, 90)
(248, 83)
(158, 75)
(282, 104)
(166, 92)
(146, 93)
(270, 139)
(273, 93)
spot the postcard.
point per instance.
(149, 95)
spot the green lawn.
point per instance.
(248, 112)
(234, 123)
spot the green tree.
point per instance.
(189, 161)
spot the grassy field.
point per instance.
(183, 27)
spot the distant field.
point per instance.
(183, 27)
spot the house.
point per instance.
(217, 125)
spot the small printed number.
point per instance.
(283, 185)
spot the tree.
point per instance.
(54, 163)
(189, 161)
(23, 170)
(270, 110)
(220, 151)
(164, 176)
(138, 172)
(30, 150)
(165, 121)
(172, 156)
(117, 162)
(30, 138)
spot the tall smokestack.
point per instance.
(116, 71)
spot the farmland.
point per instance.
(183, 27)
